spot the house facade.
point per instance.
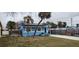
(28, 28)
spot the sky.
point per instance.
(55, 17)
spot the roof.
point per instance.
(35, 25)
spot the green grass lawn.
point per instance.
(37, 42)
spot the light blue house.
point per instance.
(27, 28)
(41, 31)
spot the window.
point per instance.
(39, 28)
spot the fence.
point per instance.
(65, 31)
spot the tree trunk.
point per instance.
(37, 27)
(10, 31)
(1, 31)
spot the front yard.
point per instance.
(37, 42)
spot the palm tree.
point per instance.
(42, 15)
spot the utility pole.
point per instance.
(71, 27)
(71, 22)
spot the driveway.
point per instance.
(65, 37)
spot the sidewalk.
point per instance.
(65, 37)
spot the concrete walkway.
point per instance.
(65, 37)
